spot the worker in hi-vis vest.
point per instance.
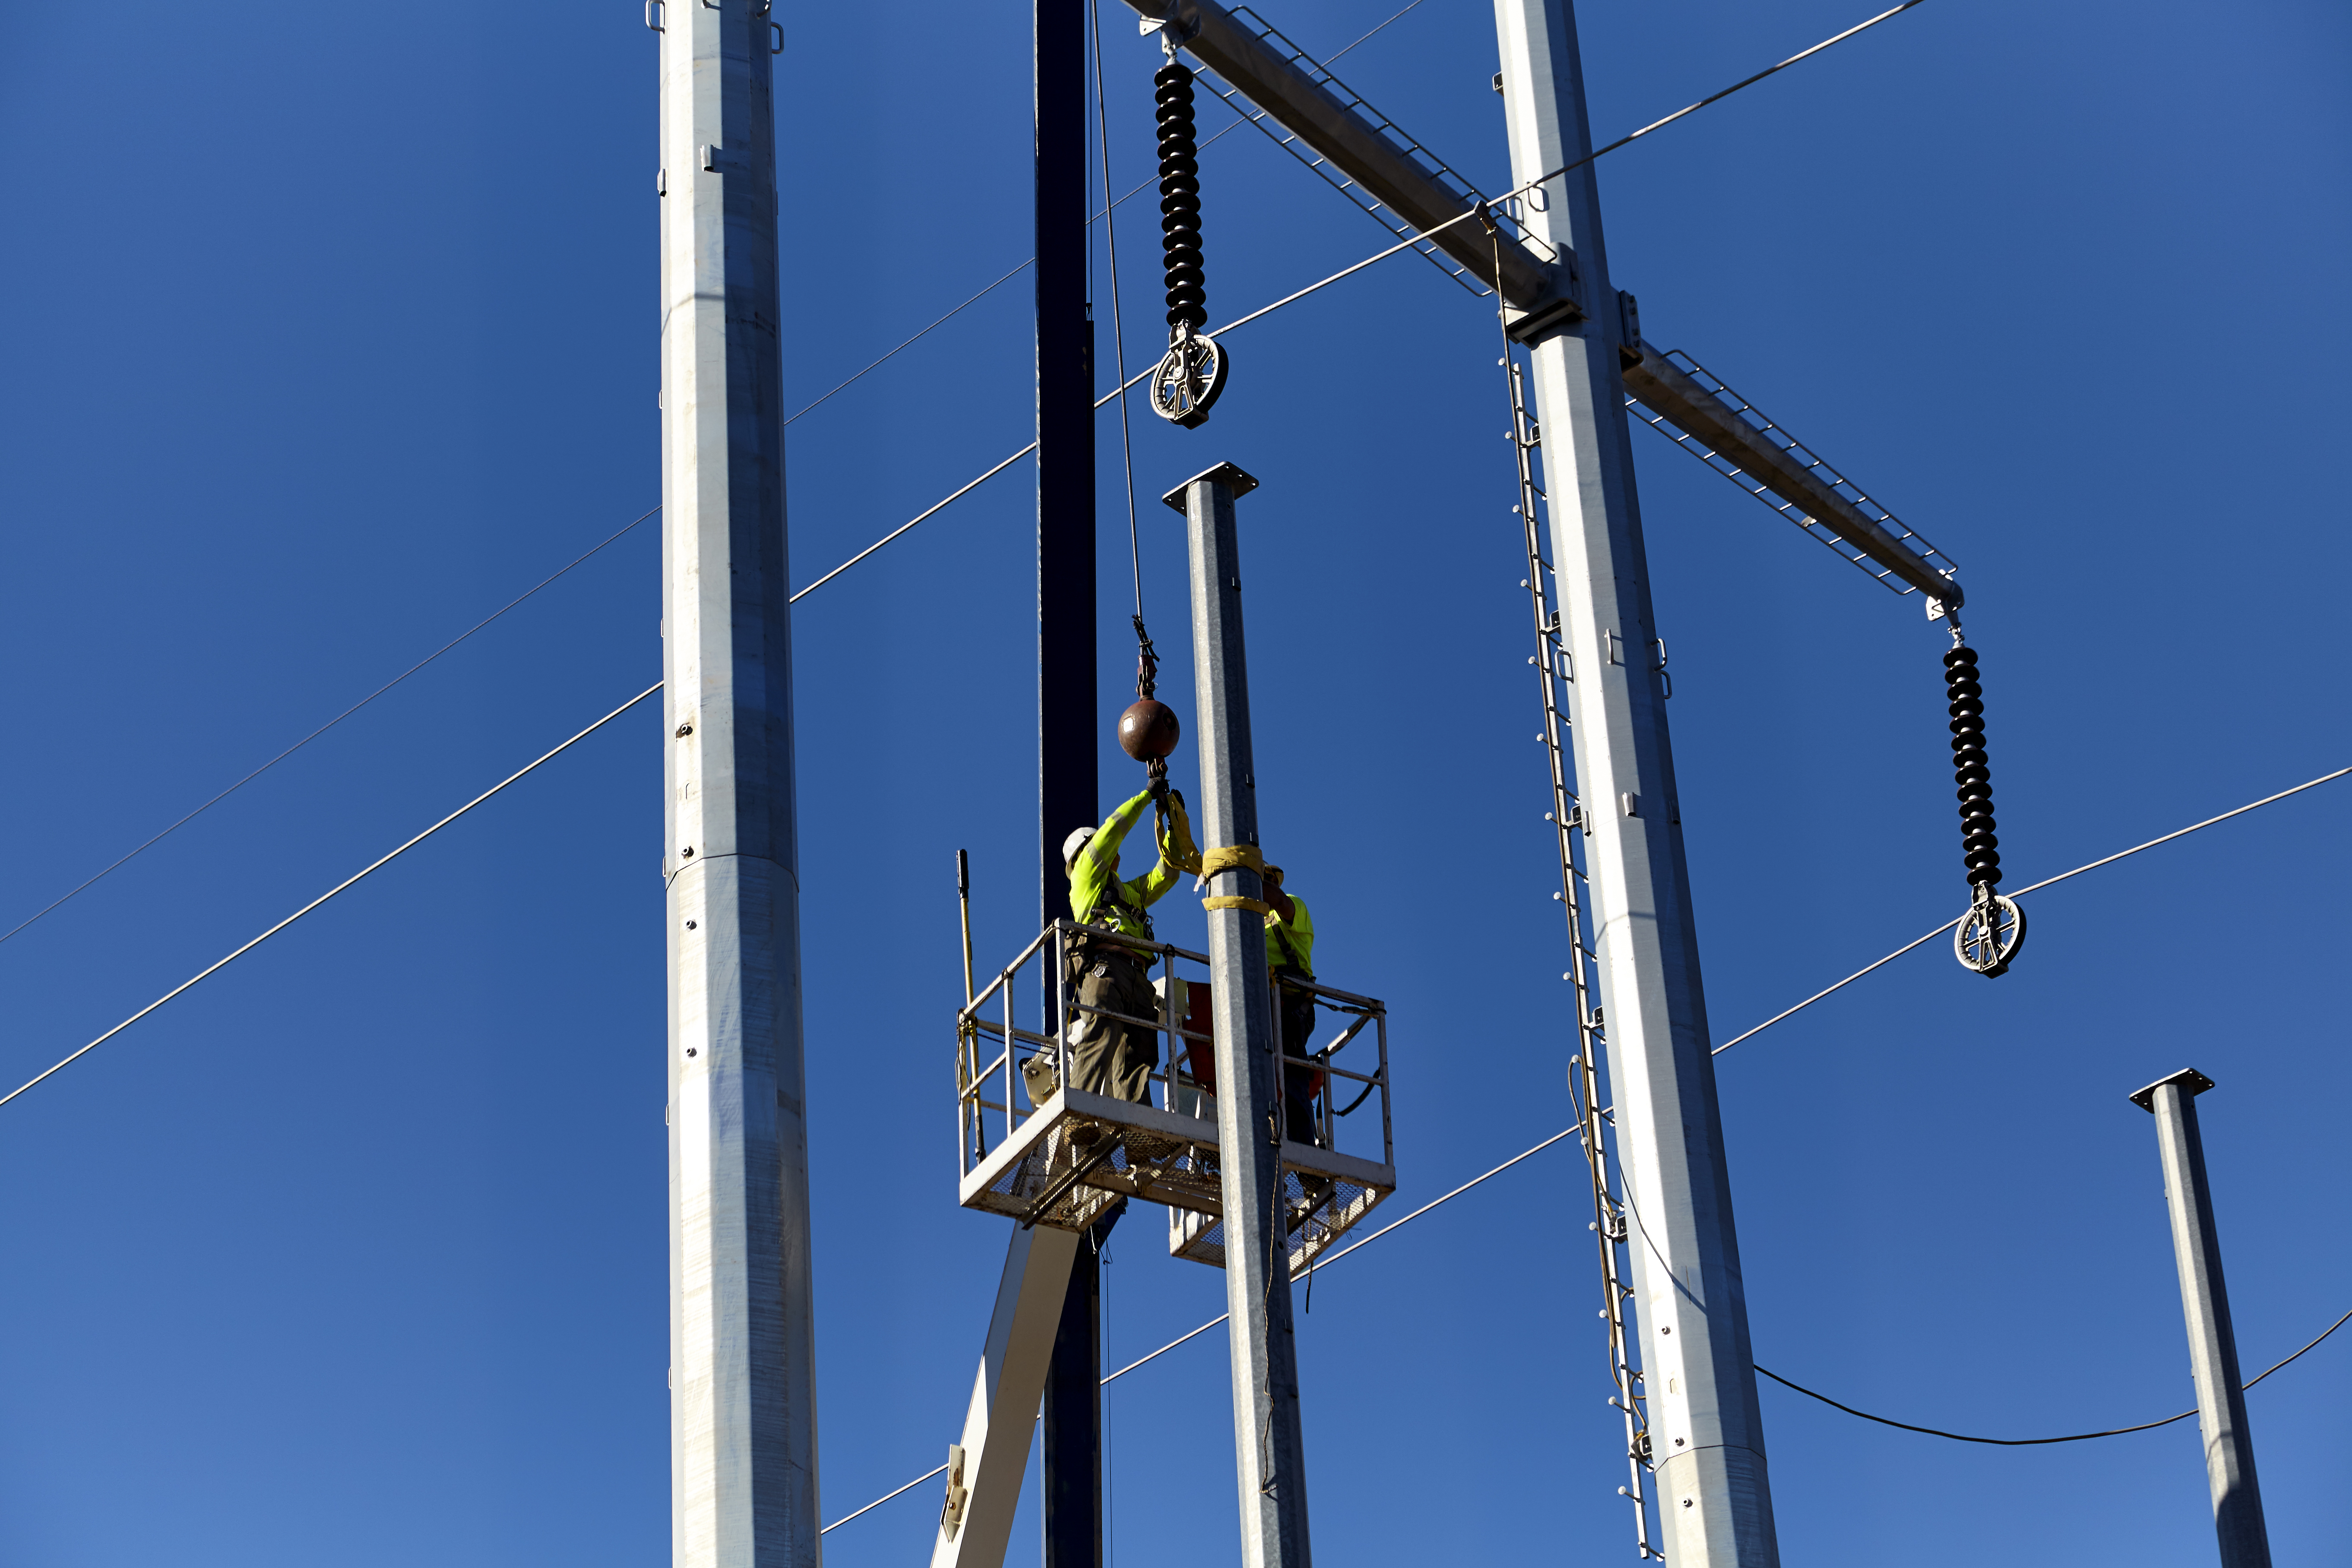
(1290, 955)
(1106, 1056)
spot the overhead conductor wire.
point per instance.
(322, 730)
(2045, 882)
(355, 877)
(1633, 136)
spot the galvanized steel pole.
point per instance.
(1705, 1429)
(2205, 1303)
(743, 1462)
(1269, 1446)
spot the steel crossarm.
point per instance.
(1751, 456)
(1357, 147)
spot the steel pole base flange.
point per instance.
(1989, 935)
(1189, 380)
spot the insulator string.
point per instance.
(1179, 200)
(1971, 769)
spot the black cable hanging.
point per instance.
(1192, 375)
(1988, 937)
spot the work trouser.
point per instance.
(1106, 1056)
(1295, 1017)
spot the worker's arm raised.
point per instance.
(1102, 849)
(1177, 850)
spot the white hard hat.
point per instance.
(1074, 843)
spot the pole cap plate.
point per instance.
(1224, 474)
(2192, 1083)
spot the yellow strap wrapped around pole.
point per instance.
(1232, 857)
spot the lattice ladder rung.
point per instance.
(1554, 668)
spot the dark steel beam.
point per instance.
(1068, 726)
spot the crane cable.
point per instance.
(1117, 326)
(1146, 661)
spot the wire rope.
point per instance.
(2045, 882)
(1118, 326)
(919, 337)
(315, 734)
(1634, 136)
(356, 877)
(886, 1496)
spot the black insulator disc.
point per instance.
(1960, 656)
(1180, 197)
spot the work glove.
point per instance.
(1176, 846)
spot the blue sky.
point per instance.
(331, 331)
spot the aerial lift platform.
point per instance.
(1038, 1151)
